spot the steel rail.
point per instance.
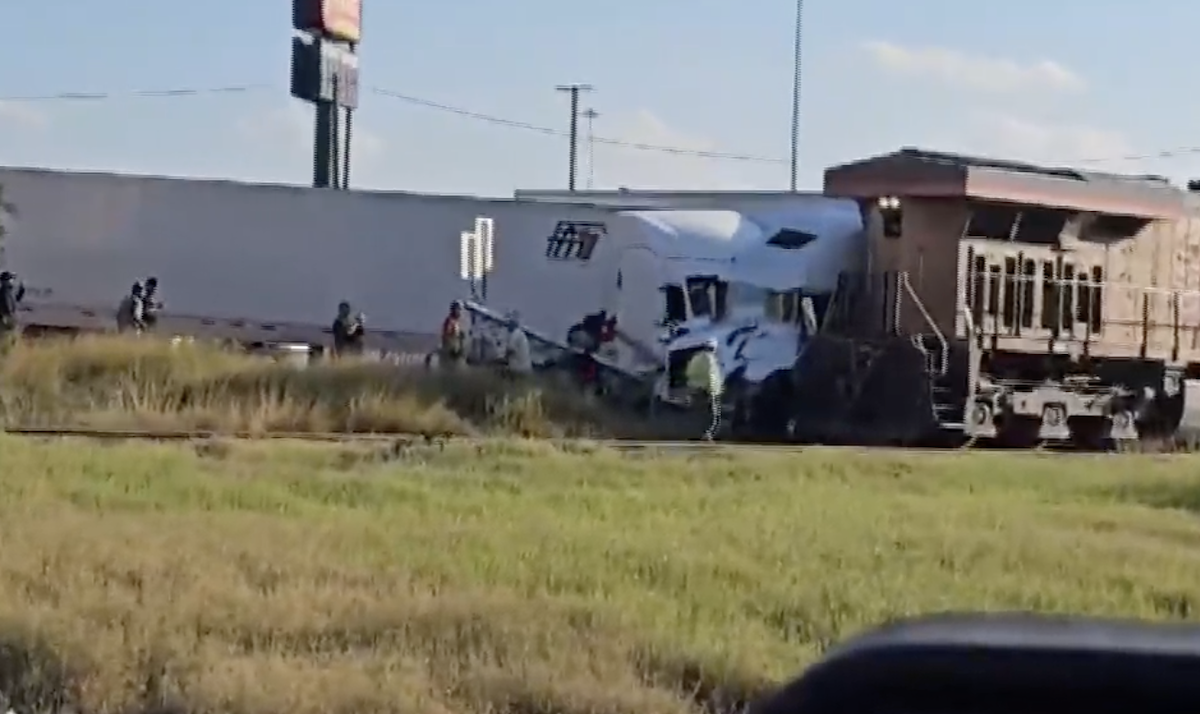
(401, 439)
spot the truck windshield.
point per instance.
(675, 305)
(707, 296)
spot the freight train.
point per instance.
(1006, 302)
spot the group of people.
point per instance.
(515, 356)
(586, 338)
(139, 310)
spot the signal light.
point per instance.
(892, 216)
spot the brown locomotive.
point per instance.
(1007, 301)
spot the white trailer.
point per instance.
(263, 263)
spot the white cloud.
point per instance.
(1041, 142)
(627, 166)
(23, 115)
(969, 71)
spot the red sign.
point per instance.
(342, 19)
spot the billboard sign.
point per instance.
(339, 75)
(342, 19)
(306, 69)
(334, 19)
(324, 72)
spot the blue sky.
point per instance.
(1056, 81)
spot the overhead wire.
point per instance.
(136, 93)
(406, 98)
(550, 131)
(179, 92)
(1175, 153)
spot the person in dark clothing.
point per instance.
(587, 337)
(10, 300)
(454, 338)
(151, 305)
(348, 331)
(131, 313)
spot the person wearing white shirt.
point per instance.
(518, 359)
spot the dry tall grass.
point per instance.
(301, 579)
(139, 383)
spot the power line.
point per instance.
(1176, 153)
(406, 98)
(550, 131)
(137, 93)
(180, 92)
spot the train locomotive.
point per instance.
(1010, 303)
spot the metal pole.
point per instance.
(797, 66)
(573, 161)
(324, 127)
(335, 139)
(346, 149)
(574, 91)
(590, 115)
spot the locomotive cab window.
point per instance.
(1020, 224)
(1104, 228)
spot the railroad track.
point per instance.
(382, 439)
(160, 435)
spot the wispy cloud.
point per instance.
(971, 71)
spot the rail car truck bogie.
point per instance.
(1011, 303)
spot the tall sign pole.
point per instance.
(325, 74)
(574, 90)
(591, 115)
(797, 76)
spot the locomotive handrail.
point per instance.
(968, 320)
(943, 343)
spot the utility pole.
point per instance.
(574, 90)
(591, 114)
(797, 66)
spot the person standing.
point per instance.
(10, 299)
(348, 331)
(131, 313)
(518, 358)
(704, 376)
(151, 305)
(454, 338)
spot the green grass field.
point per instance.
(295, 579)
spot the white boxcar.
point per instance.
(227, 253)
